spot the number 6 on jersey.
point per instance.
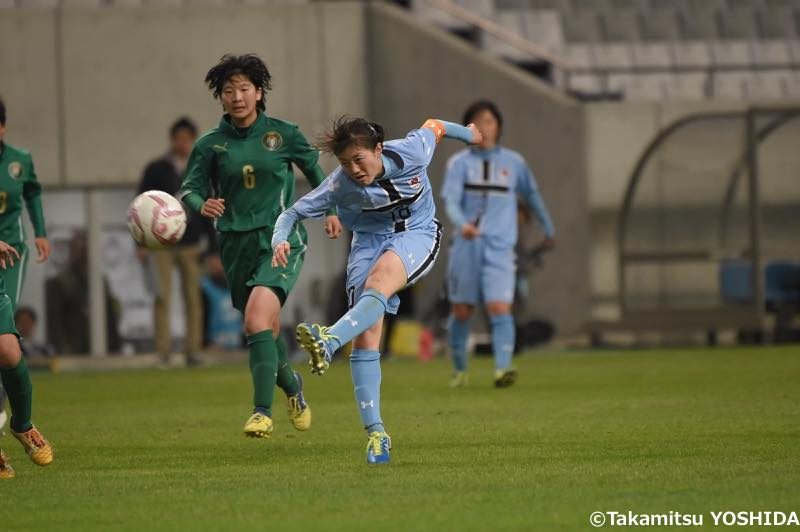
(249, 176)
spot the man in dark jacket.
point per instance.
(165, 174)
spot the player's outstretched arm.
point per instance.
(280, 236)
(444, 129)
(306, 158)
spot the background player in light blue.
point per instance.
(382, 193)
(480, 191)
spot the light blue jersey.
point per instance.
(395, 212)
(482, 186)
(400, 200)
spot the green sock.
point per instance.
(17, 382)
(264, 369)
(286, 379)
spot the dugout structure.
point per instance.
(707, 232)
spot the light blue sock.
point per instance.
(369, 308)
(503, 340)
(365, 368)
(459, 333)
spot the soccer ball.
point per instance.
(156, 220)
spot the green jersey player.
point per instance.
(240, 173)
(18, 185)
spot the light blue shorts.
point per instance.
(481, 272)
(417, 248)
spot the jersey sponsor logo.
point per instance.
(272, 141)
(504, 175)
(15, 170)
(415, 182)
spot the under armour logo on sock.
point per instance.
(365, 404)
(350, 320)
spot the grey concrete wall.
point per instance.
(28, 84)
(417, 72)
(129, 72)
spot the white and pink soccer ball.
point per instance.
(156, 220)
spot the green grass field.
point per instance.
(647, 431)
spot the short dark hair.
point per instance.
(480, 106)
(346, 131)
(25, 310)
(2, 112)
(249, 65)
(183, 122)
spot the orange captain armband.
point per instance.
(438, 128)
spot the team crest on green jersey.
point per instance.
(15, 170)
(272, 140)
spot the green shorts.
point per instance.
(7, 316)
(14, 277)
(247, 261)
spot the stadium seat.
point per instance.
(427, 11)
(643, 87)
(620, 25)
(768, 85)
(776, 23)
(730, 85)
(513, 22)
(793, 85)
(779, 4)
(623, 5)
(585, 83)
(771, 53)
(688, 86)
(581, 56)
(613, 55)
(555, 5)
(743, 4)
(794, 50)
(484, 8)
(649, 87)
(544, 29)
(581, 26)
(698, 25)
(81, 3)
(732, 53)
(660, 25)
(652, 55)
(692, 54)
(780, 281)
(620, 83)
(205, 2)
(738, 23)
